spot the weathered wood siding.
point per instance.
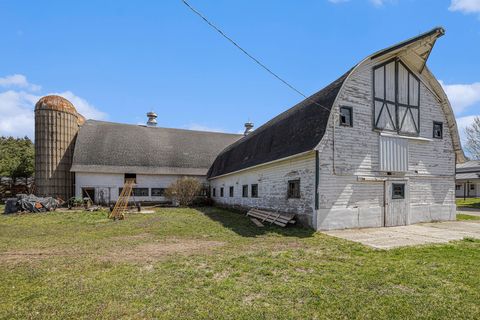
(272, 180)
(345, 200)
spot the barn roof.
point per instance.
(301, 128)
(106, 147)
(297, 130)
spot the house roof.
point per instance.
(106, 147)
(468, 170)
(297, 130)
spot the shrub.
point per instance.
(184, 190)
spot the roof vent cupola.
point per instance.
(152, 119)
(248, 128)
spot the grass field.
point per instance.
(473, 203)
(214, 264)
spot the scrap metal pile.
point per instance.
(30, 203)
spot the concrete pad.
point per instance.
(412, 235)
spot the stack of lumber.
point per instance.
(278, 218)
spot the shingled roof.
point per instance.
(297, 130)
(106, 147)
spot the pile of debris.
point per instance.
(30, 203)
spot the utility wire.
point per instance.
(248, 54)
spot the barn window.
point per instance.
(398, 191)
(346, 116)
(140, 192)
(130, 176)
(254, 190)
(472, 187)
(213, 192)
(231, 191)
(458, 187)
(158, 192)
(294, 189)
(396, 98)
(221, 192)
(437, 130)
(393, 154)
(245, 191)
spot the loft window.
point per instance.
(398, 191)
(438, 130)
(158, 192)
(346, 116)
(294, 189)
(396, 93)
(130, 176)
(245, 191)
(254, 190)
(221, 192)
(230, 191)
(213, 192)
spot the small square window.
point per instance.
(128, 176)
(398, 191)
(221, 192)
(294, 189)
(213, 192)
(140, 192)
(438, 130)
(458, 187)
(472, 187)
(254, 190)
(231, 191)
(346, 116)
(245, 191)
(158, 192)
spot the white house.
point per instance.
(377, 147)
(468, 179)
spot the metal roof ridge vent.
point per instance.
(248, 128)
(152, 119)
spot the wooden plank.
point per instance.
(257, 222)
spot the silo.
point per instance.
(56, 126)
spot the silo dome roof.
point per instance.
(57, 103)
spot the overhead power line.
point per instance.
(249, 55)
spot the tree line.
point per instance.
(17, 157)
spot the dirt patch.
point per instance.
(141, 253)
(32, 255)
(148, 252)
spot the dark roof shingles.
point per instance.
(297, 130)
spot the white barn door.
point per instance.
(396, 203)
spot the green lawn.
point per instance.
(463, 217)
(468, 203)
(214, 264)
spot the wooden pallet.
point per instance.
(120, 208)
(278, 218)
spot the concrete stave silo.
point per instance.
(56, 127)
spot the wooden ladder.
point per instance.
(122, 202)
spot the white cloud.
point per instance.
(465, 6)
(462, 123)
(18, 81)
(83, 106)
(199, 127)
(337, 1)
(462, 96)
(377, 3)
(16, 107)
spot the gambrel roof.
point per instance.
(301, 128)
(106, 147)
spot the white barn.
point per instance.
(107, 153)
(377, 147)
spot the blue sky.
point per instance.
(116, 60)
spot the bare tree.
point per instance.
(184, 190)
(473, 138)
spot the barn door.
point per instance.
(396, 203)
